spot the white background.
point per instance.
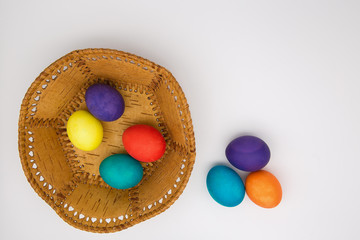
(286, 71)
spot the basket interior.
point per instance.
(68, 178)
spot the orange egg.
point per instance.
(263, 189)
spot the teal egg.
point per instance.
(225, 186)
(121, 171)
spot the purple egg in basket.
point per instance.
(248, 153)
(104, 102)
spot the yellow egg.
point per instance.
(84, 130)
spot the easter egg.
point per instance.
(248, 153)
(121, 171)
(84, 131)
(104, 102)
(225, 186)
(263, 189)
(144, 143)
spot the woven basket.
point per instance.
(67, 178)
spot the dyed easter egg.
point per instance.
(225, 186)
(121, 171)
(263, 189)
(144, 143)
(248, 153)
(84, 131)
(104, 102)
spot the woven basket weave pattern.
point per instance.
(67, 178)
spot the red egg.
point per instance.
(144, 143)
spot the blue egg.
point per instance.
(121, 171)
(225, 186)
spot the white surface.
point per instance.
(287, 71)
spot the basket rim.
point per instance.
(78, 55)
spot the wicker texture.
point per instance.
(68, 178)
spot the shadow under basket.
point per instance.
(67, 178)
